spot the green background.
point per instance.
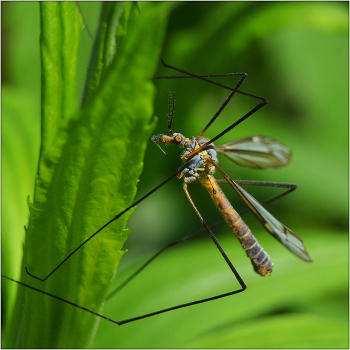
(296, 56)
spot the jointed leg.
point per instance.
(291, 188)
(233, 91)
(239, 279)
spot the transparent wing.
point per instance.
(256, 152)
(283, 234)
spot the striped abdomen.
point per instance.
(259, 258)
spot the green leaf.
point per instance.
(89, 164)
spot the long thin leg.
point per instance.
(61, 299)
(238, 277)
(233, 91)
(163, 310)
(291, 187)
(100, 229)
(228, 98)
(119, 323)
(131, 277)
(225, 131)
(202, 77)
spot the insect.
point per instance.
(253, 152)
(200, 162)
(200, 168)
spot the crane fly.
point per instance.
(200, 163)
(254, 152)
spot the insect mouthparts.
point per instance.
(156, 139)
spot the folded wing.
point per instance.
(283, 234)
(256, 152)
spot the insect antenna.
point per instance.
(233, 91)
(171, 106)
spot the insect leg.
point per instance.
(244, 75)
(105, 225)
(238, 277)
(252, 111)
(228, 98)
(58, 298)
(202, 77)
(169, 245)
(149, 314)
(233, 91)
(290, 187)
(188, 237)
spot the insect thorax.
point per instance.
(199, 166)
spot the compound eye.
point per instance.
(178, 139)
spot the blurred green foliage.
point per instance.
(296, 56)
